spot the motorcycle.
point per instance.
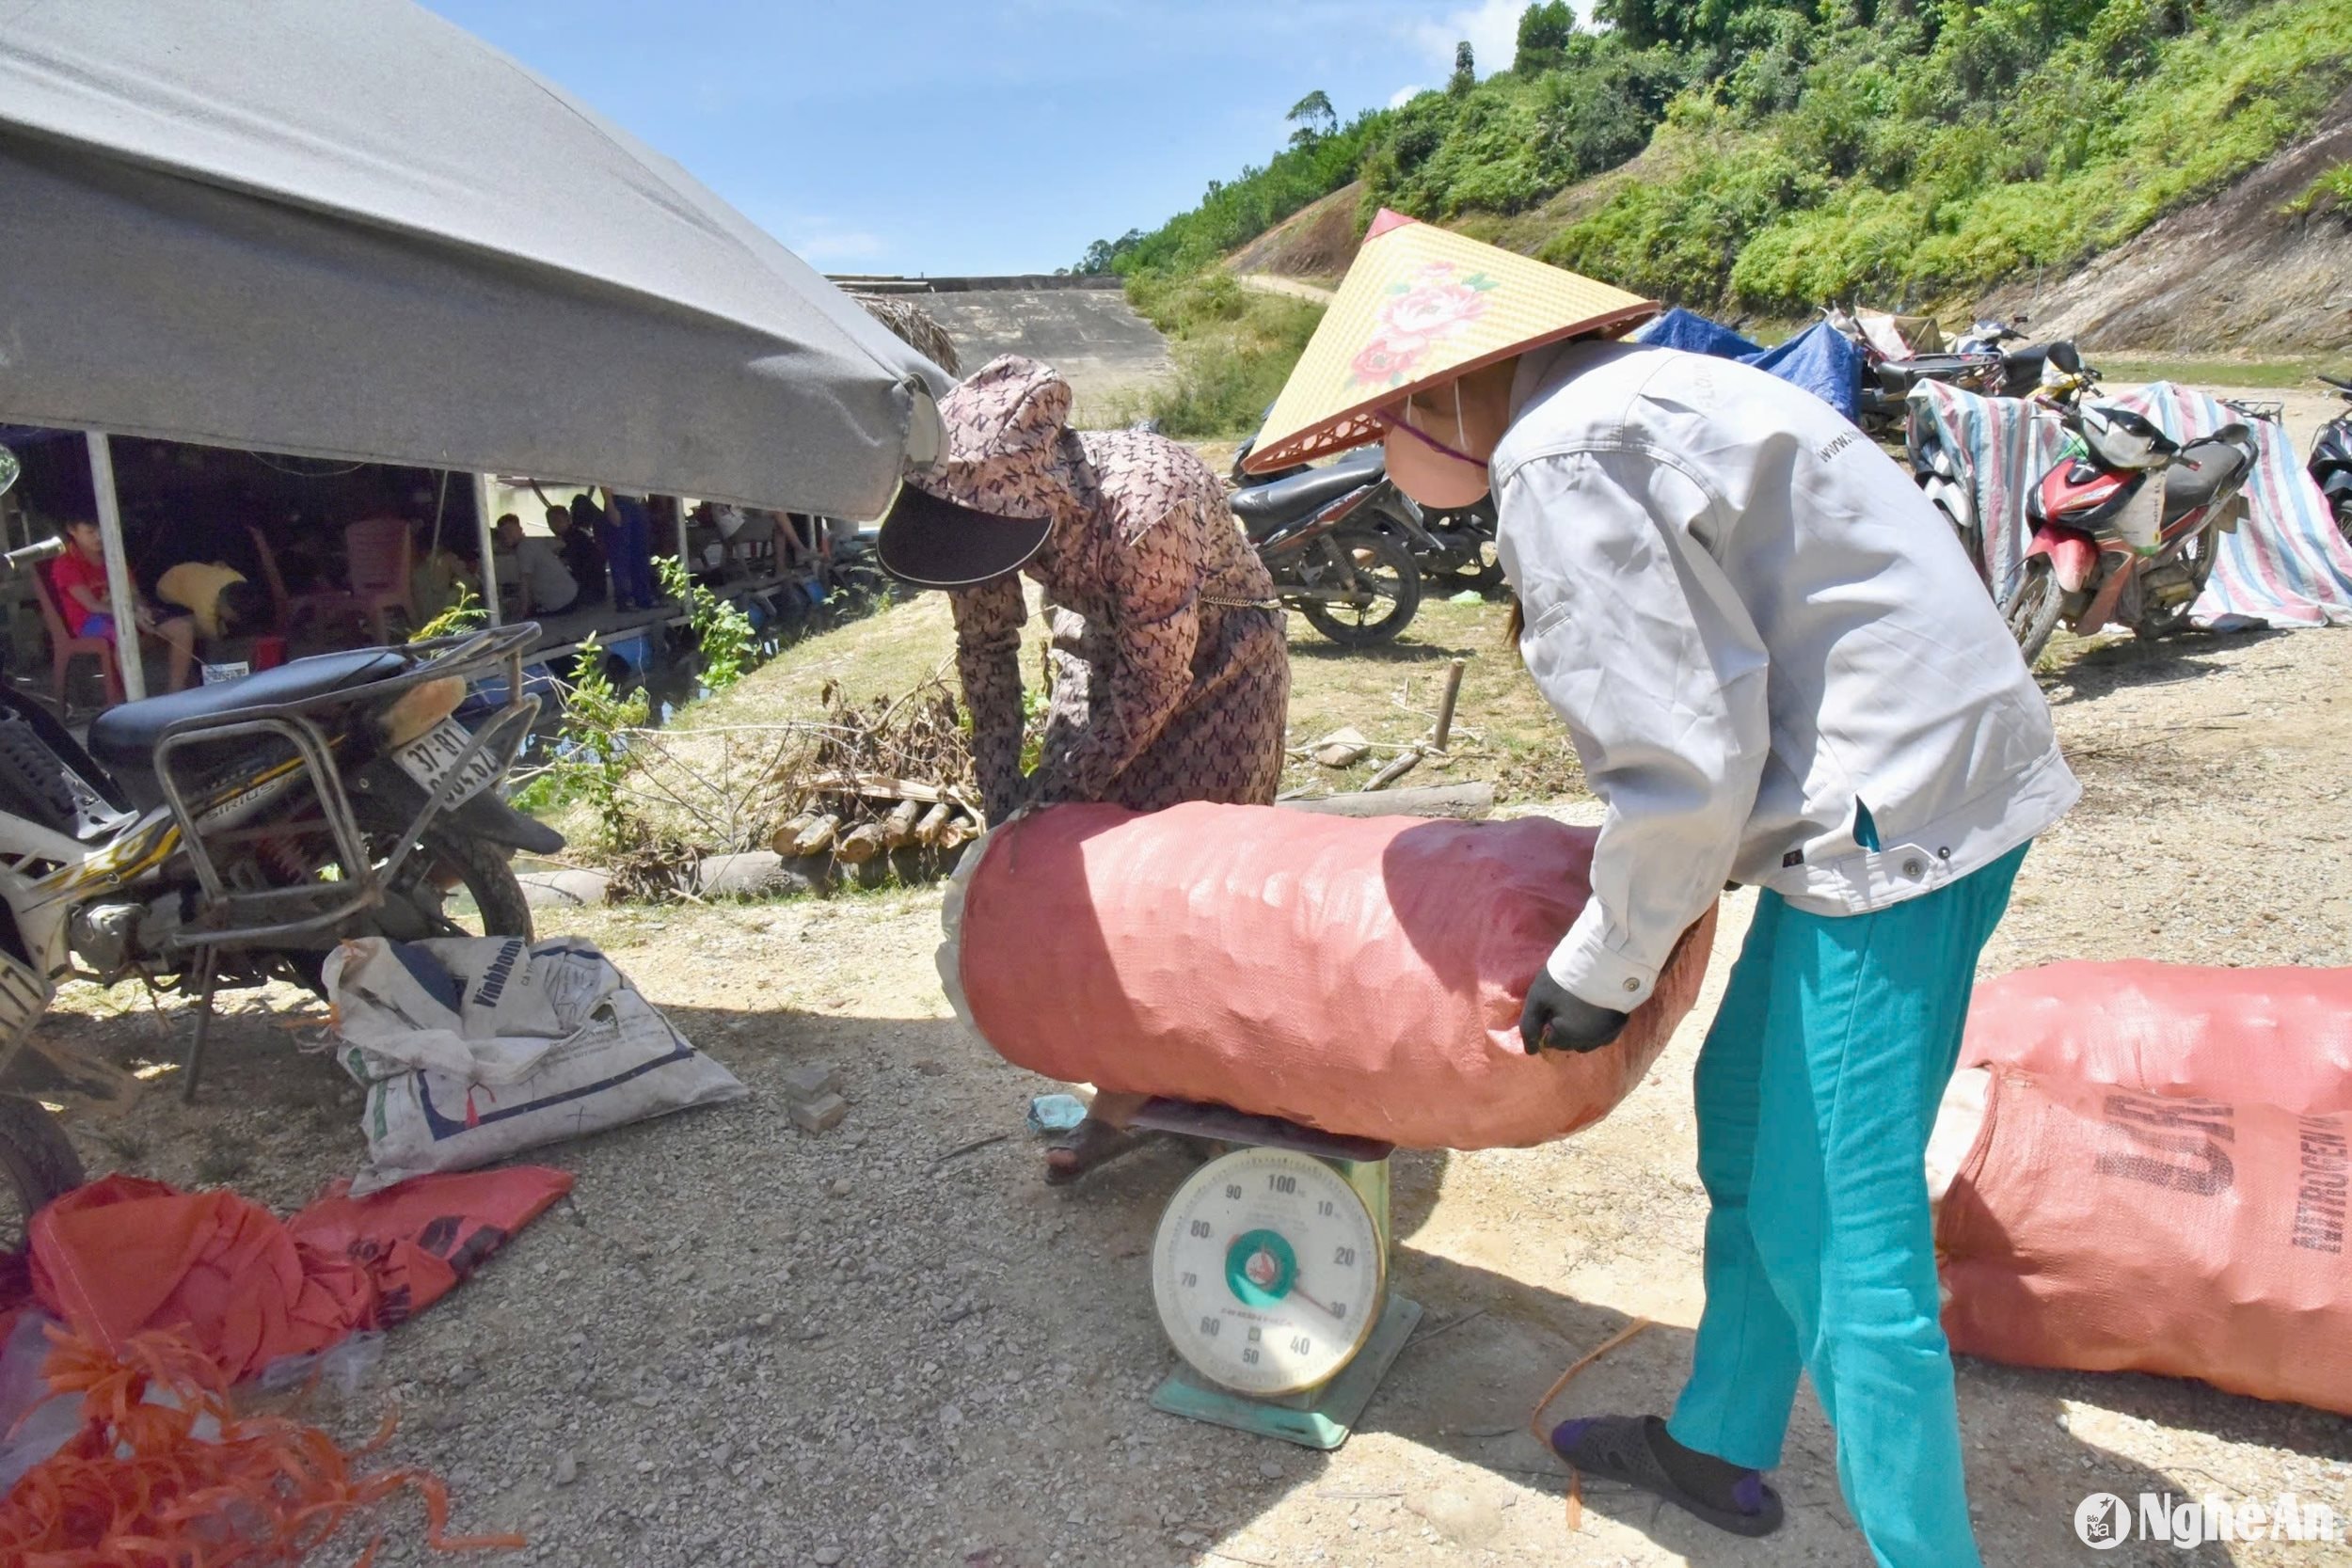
(232, 834)
(2330, 466)
(1455, 550)
(2126, 527)
(1320, 533)
(2061, 381)
(1980, 362)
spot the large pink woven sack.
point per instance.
(2108, 1230)
(2273, 1037)
(1362, 977)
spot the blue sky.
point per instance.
(987, 136)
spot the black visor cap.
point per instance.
(937, 544)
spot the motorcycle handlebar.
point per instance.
(31, 555)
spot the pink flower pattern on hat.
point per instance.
(1439, 301)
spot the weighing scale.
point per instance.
(1271, 1275)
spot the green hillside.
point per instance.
(1781, 156)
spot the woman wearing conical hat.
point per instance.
(1171, 673)
(1779, 669)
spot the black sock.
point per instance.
(1714, 1482)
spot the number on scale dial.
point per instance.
(1267, 1272)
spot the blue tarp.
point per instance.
(1820, 359)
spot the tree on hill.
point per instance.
(1465, 71)
(1545, 33)
(1314, 119)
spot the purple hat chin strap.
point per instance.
(1394, 423)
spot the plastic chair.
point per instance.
(64, 647)
(289, 608)
(377, 553)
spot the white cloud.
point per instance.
(1403, 96)
(1493, 27)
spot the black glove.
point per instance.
(1557, 1018)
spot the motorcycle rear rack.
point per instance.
(220, 922)
(230, 919)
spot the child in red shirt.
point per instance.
(79, 579)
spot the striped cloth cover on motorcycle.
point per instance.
(2286, 567)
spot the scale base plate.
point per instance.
(1320, 1419)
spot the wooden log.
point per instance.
(1468, 802)
(1402, 764)
(859, 845)
(783, 840)
(898, 827)
(881, 786)
(817, 837)
(933, 823)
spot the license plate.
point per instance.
(429, 758)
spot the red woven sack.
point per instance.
(2275, 1037)
(2107, 1230)
(1359, 977)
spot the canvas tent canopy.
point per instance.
(356, 232)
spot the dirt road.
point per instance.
(891, 1345)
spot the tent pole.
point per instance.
(122, 598)
(489, 545)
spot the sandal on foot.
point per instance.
(1090, 1147)
(1617, 1447)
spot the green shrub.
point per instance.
(1228, 370)
(2331, 193)
(1801, 152)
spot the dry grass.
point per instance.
(1502, 730)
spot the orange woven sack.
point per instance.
(2276, 1037)
(2106, 1231)
(1358, 976)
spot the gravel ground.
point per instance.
(738, 1344)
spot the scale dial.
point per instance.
(1269, 1272)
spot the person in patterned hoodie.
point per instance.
(1170, 672)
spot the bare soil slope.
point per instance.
(1316, 242)
(2235, 273)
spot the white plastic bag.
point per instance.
(474, 1049)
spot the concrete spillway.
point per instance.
(1085, 331)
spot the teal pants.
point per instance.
(1816, 1089)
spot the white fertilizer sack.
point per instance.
(473, 1049)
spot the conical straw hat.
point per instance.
(1421, 307)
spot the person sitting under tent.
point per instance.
(85, 603)
(217, 596)
(583, 556)
(549, 589)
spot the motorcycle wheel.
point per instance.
(1384, 566)
(453, 885)
(2201, 557)
(36, 1163)
(2032, 609)
(1482, 573)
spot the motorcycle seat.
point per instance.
(123, 739)
(1262, 508)
(2213, 465)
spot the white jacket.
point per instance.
(1754, 625)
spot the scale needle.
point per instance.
(1309, 1300)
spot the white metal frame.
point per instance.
(121, 594)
